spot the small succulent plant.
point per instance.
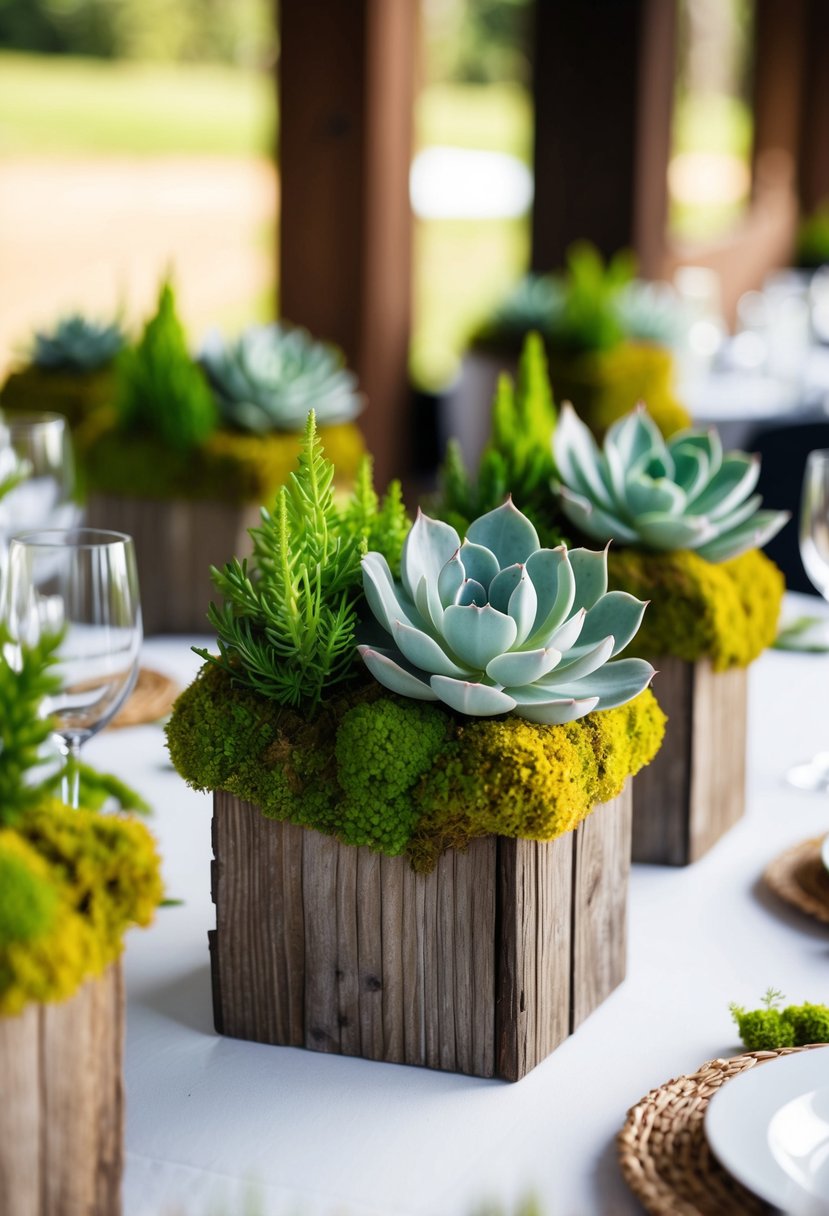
(498, 624)
(643, 490)
(272, 375)
(651, 312)
(77, 345)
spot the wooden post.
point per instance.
(693, 790)
(604, 84)
(814, 116)
(346, 90)
(62, 1108)
(482, 967)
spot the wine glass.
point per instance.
(81, 585)
(814, 550)
(44, 499)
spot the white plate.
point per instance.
(769, 1127)
(824, 851)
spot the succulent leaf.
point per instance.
(506, 640)
(663, 495)
(272, 375)
(76, 344)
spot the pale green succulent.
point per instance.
(76, 344)
(272, 375)
(643, 490)
(498, 624)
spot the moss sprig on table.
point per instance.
(770, 1028)
(406, 777)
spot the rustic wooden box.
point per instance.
(482, 967)
(693, 790)
(62, 1105)
(176, 543)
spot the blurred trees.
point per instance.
(234, 31)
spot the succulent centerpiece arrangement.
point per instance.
(68, 369)
(190, 448)
(71, 884)
(607, 337)
(408, 723)
(687, 529)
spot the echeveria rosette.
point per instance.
(498, 624)
(272, 375)
(652, 493)
(77, 344)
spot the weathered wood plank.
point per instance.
(601, 869)
(61, 1113)
(176, 543)
(20, 1114)
(718, 774)
(694, 789)
(468, 968)
(534, 954)
(661, 790)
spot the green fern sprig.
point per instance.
(287, 625)
(26, 679)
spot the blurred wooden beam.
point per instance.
(604, 87)
(814, 120)
(346, 93)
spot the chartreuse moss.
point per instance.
(404, 776)
(726, 612)
(228, 466)
(71, 882)
(604, 385)
(769, 1028)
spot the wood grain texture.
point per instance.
(601, 868)
(62, 1108)
(694, 789)
(468, 969)
(176, 543)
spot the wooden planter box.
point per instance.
(693, 790)
(176, 543)
(482, 967)
(62, 1105)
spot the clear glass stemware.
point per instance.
(814, 550)
(45, 499)
(83, 586)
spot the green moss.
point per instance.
(75, 395)
(809, 1023)
(604, 385)
(102, 874)
(763, 1029)
(726, 612)
(510, 777)
(405, 776)
(228, 467)
(27, 900)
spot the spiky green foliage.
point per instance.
(160, 390)
(26, 679)
(77, 344)
(518, 457)
(286, 627)
(588, 315)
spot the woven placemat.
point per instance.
(151, 699)
(664, 1155)
(799, 877)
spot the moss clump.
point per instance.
(727, 613)
(74, 394)
(809, 1023)
(604, 385)
(228, 467)
(404, 776)
(90, 877)
(763, 1029)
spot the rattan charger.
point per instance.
(664, 1155)
(799, 877)
(151, 700)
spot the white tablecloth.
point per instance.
(217, 1127)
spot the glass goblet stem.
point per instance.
(70, 781)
